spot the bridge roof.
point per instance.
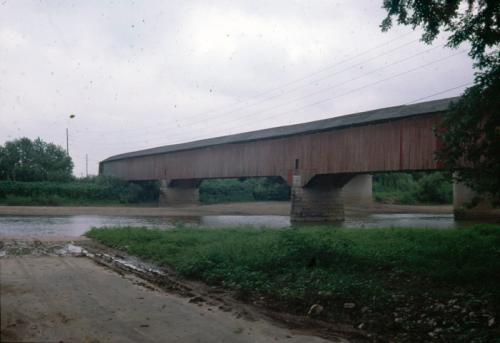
(355, 119)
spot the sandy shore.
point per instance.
(73, 299)
(244, 208)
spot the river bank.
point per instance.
(53, 292)
(402, 285)
(280, 208)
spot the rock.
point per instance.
(491, 322)
(349, 305)
(361, 326)
(196, 299)
(315, 310)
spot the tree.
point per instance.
(26, 160)
(470, 130)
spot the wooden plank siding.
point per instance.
(399, 145)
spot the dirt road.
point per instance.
(73, 299)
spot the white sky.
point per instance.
(139, 74)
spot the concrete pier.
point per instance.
(320, 199)
(179, 192)
(358, 191)
(468, 205)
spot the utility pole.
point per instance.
(71, 116)
(87, 165)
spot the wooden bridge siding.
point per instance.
(405, 144)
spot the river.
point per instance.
(12, 225)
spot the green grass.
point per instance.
(383, 271)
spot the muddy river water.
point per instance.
(12, 225)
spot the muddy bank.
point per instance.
(247, 208)
(51, 293)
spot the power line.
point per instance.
(301, 79)
(322, 90)
(327, 99)
(440, 92)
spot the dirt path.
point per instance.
(246, 208)
(72, 299)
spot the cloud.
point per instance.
(142, 74)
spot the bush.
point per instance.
(234, 190)
(412, 188)
(94, 189)
(434, 188)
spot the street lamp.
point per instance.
(71, 116)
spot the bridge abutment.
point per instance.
(320, 199)
(179, 192)
(467, 204)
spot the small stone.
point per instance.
(349, 305)
(491, 322)
(196, 299)
(361, 326)
(315, 310)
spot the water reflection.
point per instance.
(77, 225)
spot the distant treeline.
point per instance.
(237, 190)
(394, 188)
(91, 190)
(413, 188)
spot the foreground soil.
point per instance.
(244, 208)
(49, 298)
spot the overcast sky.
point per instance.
(139, 74)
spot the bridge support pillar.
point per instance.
(320, 199)
(467, 204)
(358, 191)
(179, 192)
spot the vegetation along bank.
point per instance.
(401, 284)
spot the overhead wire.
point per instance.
(149, 141)
(254, 99)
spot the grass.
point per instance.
(405, 283)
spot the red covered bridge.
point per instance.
(317, 158)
